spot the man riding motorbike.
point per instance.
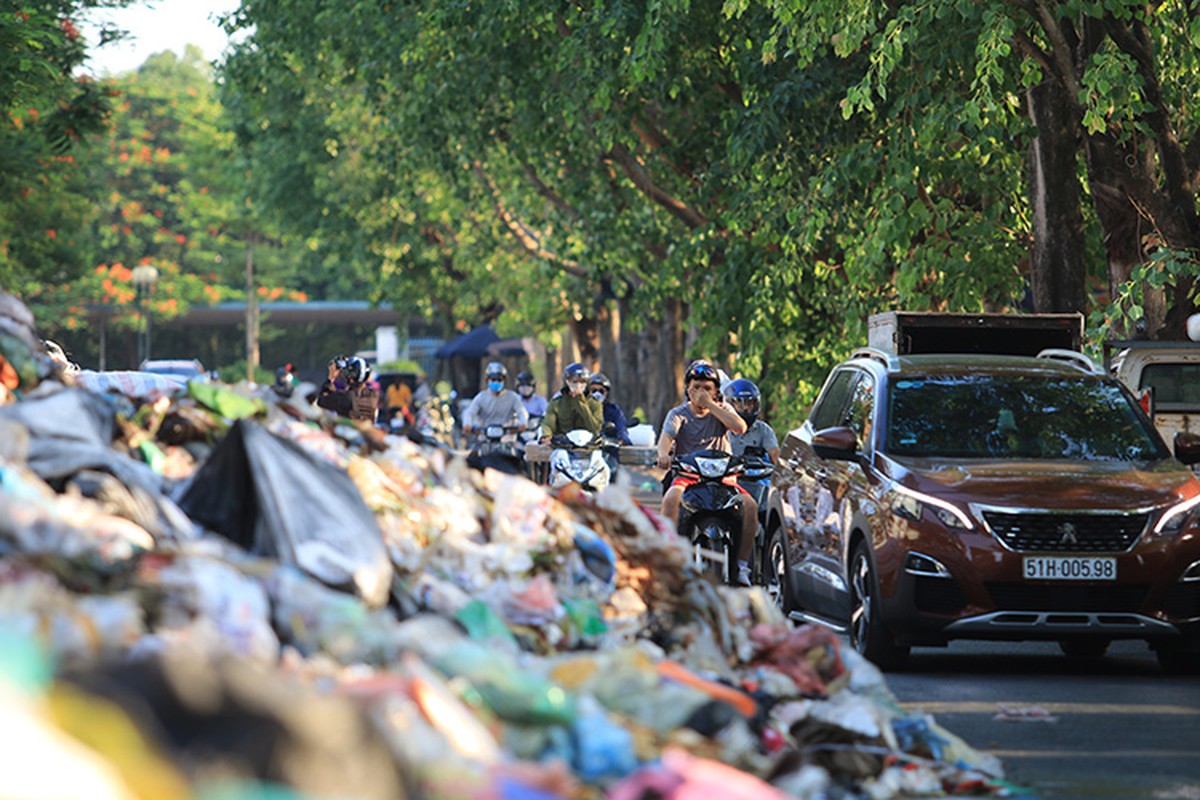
(572, 408)
(704, 422)
(535, 403)
(496, 405)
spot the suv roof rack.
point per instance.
(1072, 357)
(889, 360)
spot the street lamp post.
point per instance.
(144, 278)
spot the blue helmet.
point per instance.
(745, 398)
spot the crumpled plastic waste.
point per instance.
(272, 497)
(322, 611)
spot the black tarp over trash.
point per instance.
(276, 499)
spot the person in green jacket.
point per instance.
(572, 407)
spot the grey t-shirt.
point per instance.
(692, 433)
(490, 408)
(760, 434)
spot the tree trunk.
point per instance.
(251, 313)
(1059, 271)
(630, 385)
(1110, 178)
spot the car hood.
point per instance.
(1049, 484)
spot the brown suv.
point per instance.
(938, 497)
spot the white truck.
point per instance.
(1165, 377)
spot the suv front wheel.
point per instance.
(868, 635)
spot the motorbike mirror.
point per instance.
(635, 421)
(835, 444)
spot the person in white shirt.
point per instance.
(496, 405)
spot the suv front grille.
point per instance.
(1044, 532)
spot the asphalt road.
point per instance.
(1114, 728)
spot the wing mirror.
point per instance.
(836, 444)
(1187, 448)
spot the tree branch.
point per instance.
(636, 172)
(1029, 47)
(1060, 49)
(1179, 181)
(549, 194)
(524, 235)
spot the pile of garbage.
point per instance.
(224, 593)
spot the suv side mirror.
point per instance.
(1187, 448)
(835, 444)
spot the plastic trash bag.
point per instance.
(274, 498)
(71, 431)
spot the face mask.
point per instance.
(495, 386)
(599, 396)
(526, 391)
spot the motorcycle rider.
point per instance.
(346, 390)
(572, 408)
(534, 403)
(705, 422)
(496, 405)
(600, 388)
(744, 398)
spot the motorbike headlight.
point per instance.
(911, 504)
(712, 467)
(494, 431)
(1176, 518)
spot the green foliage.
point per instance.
(46, 113)
(1164, 269)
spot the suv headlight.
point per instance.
(1176, 518)
(912, 504)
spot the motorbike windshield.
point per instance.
(1017, 417)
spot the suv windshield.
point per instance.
(1016, 417)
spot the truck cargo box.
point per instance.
(912, 332)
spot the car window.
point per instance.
(1017, 416)
(1174, 384)
(828, 411)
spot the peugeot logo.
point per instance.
(1066, 533)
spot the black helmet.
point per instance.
(356, 370)
(600, 379)
(496, 370)
(574, 372)
(525, 378)
(745, 398)
(701, 370)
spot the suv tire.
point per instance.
(775, 571)
(868, 635)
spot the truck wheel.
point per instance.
(868, 634)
